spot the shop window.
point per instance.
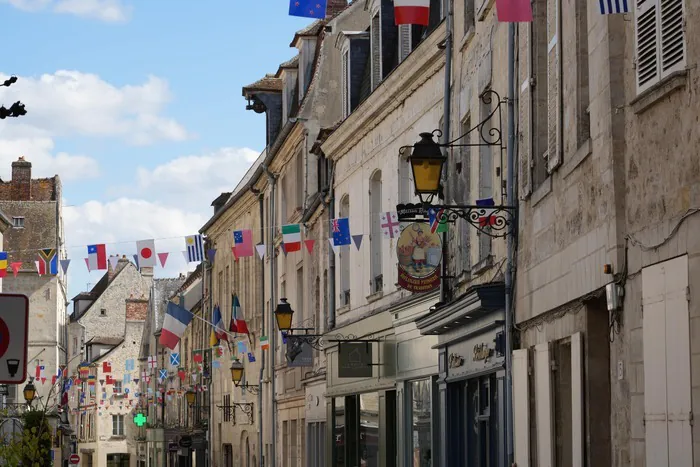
(369, 430)
(420, 437)
(117, 460)
(316, 444)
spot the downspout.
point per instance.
(331, 253)
(447, 110)
(210, 406)
(510, 242)
(261, 441)
(272, 179)
(306, 169)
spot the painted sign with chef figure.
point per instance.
(419, 252)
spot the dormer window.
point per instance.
(354, 57)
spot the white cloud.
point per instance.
(119, 224)
(39, 151)
(192, 182)
(112, 11)
(69, 103)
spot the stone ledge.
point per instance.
(663, 88)
(539, 193)
(578, 157)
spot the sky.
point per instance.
(137, 106)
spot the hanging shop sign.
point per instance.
(419, 252)
(355, 360)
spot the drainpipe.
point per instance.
(210, 406)
(447, 110)
(261, 441)
(331, 253)
(306, 169)
(510, 241)
(272, 179)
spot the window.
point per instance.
(103, 311)
(293, 444)
(468, 6)
(227, 403)
(461, 194)
(283, 196)
(660, 40)
(316, 444)
(345, 80)
(117, 387)
(18, 222)
(575, 79)
(317, 304)
(322, 172)
(117, 460)
(118, 425)
(376, 239)
(300, 297)
(285, 443)
(419, 393)
(344, 257)
(75, 346)
(300, 181)
(486, 174)
(375, 38)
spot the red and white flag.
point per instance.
(146, 250)
(514, 11)
(97, 257)
(412, 12)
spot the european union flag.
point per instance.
(308, 8)
(341, 231)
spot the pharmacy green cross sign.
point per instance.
(140, 419)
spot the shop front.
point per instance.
(471, 381)
(361, 401)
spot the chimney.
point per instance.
(21, 180)
(333, 7)
(136, 309)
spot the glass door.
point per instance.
(482, 422)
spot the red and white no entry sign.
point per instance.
(74, 459)
(14, 320)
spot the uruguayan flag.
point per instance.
(195, 248)
(611, 7)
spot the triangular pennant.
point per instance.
(310, 245)
(358, 240)
(87, 263)
(260, 248)
(284, 250)
(163, 257)
(64, 265)
(15, 267)
(187, 258)
(113, 261)
(233, 252)
(38, 271)
(211, 253)
(335, 248)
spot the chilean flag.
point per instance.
(174, 325)
(412, 12)
(97, 257)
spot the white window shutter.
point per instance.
(577, 390)
(678, 395)
(376, 35)
(647, 43)
(525, 111)
(672, 36)
(404, 41)
(667, 396)
(543, 403)
(521, 408)
(554, 98)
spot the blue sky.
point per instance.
(137, 105)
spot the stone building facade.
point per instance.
(35, 208)
(106, 329)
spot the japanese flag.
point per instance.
(146, 250)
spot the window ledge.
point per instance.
(467, 39)
(483, 265)
(541, 191)
(663, 88)
(374, 296)
(342, 309)
(117, 437)
(578, 157)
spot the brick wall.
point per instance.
(136, 309)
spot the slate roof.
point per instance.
(311, 30)
(290, 64)
(269, 83)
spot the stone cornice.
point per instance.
(411, 74)
(290, 147)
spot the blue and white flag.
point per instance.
(163, 374)
(308, 8)
(611, 7)
(174, 359)
(195, 248)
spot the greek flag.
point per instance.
(195, 248)
(611, 7)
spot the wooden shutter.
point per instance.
(525, 110)
(554, 96)
(647, 47)
(376, 30)
(544, 406)
(577, 414)
(521, 408)
(672, 36)
(404, 41)
(667, 395)
(345, 83)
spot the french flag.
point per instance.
(97, 257)
(412, 12)
(174, 325)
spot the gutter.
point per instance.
(261, 439)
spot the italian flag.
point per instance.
(291, 237)
(264, 343)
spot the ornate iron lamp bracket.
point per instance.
(250, 388)
(494, 220)
(246, 407)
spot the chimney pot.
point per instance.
(21, 180)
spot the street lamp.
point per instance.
(283, 315)
(189, 397)
(237, 372)
(29, 392)
(427, 161)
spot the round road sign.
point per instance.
(74, 459)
